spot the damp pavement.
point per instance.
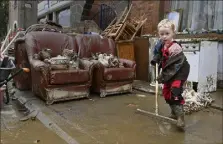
(15, 131)
(109, 120)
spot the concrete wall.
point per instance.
(13, 13)
(45, 8)
(24, 12)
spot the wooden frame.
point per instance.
(176, 17)
(125, 49)
(115, 30)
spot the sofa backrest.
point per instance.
(36, 41)
(88, 44)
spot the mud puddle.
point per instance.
(15, 131)
(113, 120)
(30, 133)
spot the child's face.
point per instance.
(166, 34)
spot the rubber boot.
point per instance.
(180, 115)
(172, 115)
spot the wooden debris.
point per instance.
(115, 30)
(124, 29)
(109, 27)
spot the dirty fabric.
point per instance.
(68, 60)
(108, 60)
(195, 101)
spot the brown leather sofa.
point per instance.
(56, 85)
(70, 84)
(106, 81)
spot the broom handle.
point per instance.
(156, 110)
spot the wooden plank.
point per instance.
(125, 50)
(120, 32)
(127, 14)
(109, 27)
(138, 27)
(141, 50)
(115, 30)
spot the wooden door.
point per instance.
(125, 50)
(141, 46)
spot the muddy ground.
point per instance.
(15, 131)
(114, 120)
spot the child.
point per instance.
(175, 69)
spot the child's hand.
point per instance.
(156, 59)
(159, 79)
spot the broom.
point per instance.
(156, 114)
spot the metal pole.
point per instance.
(3, 45)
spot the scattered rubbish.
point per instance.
(140, 95)
(132, 105)
(25, 118)
(91, 99)
(195, 101)
(36, 141)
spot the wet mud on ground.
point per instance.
(114, 120)
(15, 131)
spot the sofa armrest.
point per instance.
(20, 40)
(85, 64)
(38, 65)
(40, 72)
(128, 63)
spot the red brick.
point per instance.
(151, 11)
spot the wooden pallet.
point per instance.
(115, 30)
(129, 31)
(109, 28)
(125, 50)
(114, 27)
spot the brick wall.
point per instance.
(151, 9)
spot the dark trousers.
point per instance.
(172, 92)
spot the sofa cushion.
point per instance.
(116, 74)
(57, 42)
(68, 76)
(88, 44)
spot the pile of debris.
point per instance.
(45, 26)
(195, 101)
(68, 60)
(7, 45)
(124, 28)
(108, 60)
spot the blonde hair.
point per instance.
(167, 24)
